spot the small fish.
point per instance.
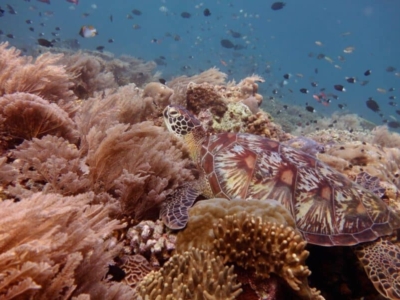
(111, 18)
(11, 10)
(318, 43)
(100, 48)
(341, 58)
(391, 103)
(304, 91)
(364, 82)
(392, 97)
(310, 109)
(275, 92)
(373, 105)
(345, 33)
(57, 28)
(29, 22)
(185, 15)
(76, 2)
(136, 12)
(162, 80)
(45, 1)
(320, 56)
(381, 90)
(10, 36)
(314, 84)
(393, 124)
(349, 49)
(227, 44)
(45, 43)
(351, 79)
(328, 59)
(367, 73)
(341, 106)
(207, 12)
(32, 29)
(88, 32)
(85, 15)
(2, 11)
(111, 40)
(129, 17)
(392, 89)
(277, 5)
(390, 69)
(339, 87)
(316, 70)
(338, 67)
(136, 26)
(286, 76)
(398, 112)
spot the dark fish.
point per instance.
(10, 36)
(390, 69)
(227, 44)
(398, 112)
(207, 12)
(285, 106)
(160, 62)
(162, 80)
(185, 15)
(391, 89)
(278, 5)
(367, 73)
(57, 28)
(275, 92)
(100, 48)
(11, 10)
(235, 34)
(316, 70)
(111, 18)
(314, 84)
(304, 91)
(364, 82)
(341, 106)
(286, 76)
(393, 124)
(339, 87)
(391, 103)
(29, 22)
(239, 47)
(310, 109)
(45, 1)
(136, 12)
(351, 79)
(111, 40)
(321, 56)
(392, 97)
(45, 43)
(372, 105)
(1, 12)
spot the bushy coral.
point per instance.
(55, 247)
(194, 274)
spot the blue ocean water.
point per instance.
(271, 43)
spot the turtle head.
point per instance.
(185, 125)
(180, 121)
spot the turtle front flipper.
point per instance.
(174, 210)
(381, 261)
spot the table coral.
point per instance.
(195, 274)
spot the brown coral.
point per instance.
(205, 96)
(257, 235)
(25, 116)
(136, 267)
(191, 275)
(49, 243)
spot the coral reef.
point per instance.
(48, 244)
(136, 267)
(195, 274)
(257, 235)
(151, 240)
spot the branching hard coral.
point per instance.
(257, 235)
(141, 164)
(55, 247)
(43, 77)
(381, 261)
(25, 116)
(151, 240)
(195, 274)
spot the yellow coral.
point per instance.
(192, 275)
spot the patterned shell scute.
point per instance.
(328, 208)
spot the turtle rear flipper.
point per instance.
(174, 210)
(381, 261)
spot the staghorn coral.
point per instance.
(151, 240)
(243, 234)
(49, 243)
(195, 274)
(25, 116)
(381, 261)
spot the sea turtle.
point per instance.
(328, 208)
